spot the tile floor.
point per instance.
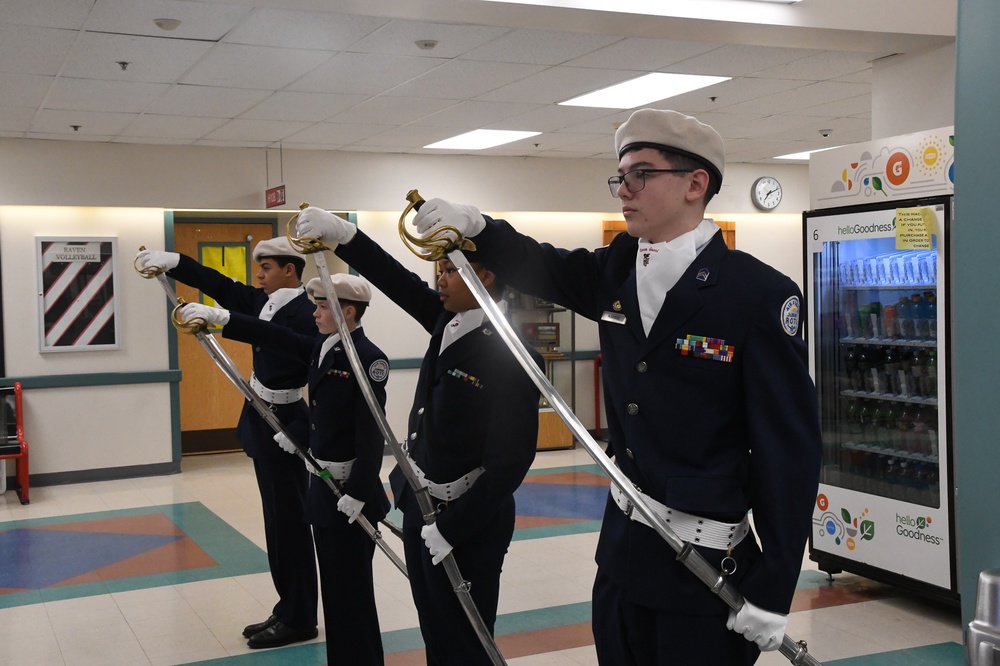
(168, 570)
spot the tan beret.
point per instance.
(275, 247)
(673, 131)
(347, 287)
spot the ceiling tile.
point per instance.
(31, 50)
(400, 37)
(206, 101)
(95, 95)
(262, 67)
(390, 110)
(267, 26)
(23, 89)
(91, 123)
(256, 130)
(334, 134)
(199, 20)
(556, 84)
(473, 115)
(151, 59)
(641, 55)
(16, 119)
(68, 14)
(356, 73)
(302, 106)
(538, 47)
(464, 79)
(182, 128)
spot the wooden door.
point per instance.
(210, 404)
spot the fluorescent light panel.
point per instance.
(803, 155)
(644, 90)
(481, 139)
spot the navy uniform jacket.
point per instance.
(704, 436)
(474, 404)
(341, 425)
(276, 368)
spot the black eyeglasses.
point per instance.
(636, 180)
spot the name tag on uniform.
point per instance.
(613, 317)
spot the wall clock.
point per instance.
(766, 193)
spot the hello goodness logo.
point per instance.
(849, 531)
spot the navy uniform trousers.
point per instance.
(474, 406)
(281, 478)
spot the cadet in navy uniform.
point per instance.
(278, 378)
(344, 438)
(473, 430)
(711, 409)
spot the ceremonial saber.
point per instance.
(459, 585)
(215, 351)
(448, 242)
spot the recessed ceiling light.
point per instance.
(166, 24)
(644, 90)
(480, 139)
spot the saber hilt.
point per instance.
(436, 245)
(302, 244)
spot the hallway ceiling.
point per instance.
(351, 75)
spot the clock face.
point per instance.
(766, 193)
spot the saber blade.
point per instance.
(229, 369)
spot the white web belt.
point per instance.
(693, 529)
(272, 396)
(339, 471)
(446, 491)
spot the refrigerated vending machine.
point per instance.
(876, 255)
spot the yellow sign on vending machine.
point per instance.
(915, 227)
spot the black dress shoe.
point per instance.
(252, 629)
(279, 634)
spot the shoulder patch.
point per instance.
(789, 315)
(378, 370)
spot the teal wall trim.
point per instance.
(172, 359)
(106, 474)
(94, 379)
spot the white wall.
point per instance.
(70, 173)
(126, 187)
(93, 427)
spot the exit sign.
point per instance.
(274, 196)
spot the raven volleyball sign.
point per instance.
(78, 294)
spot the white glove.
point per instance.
(759, 626)
(436, 213)
(165, 261)
(285, 443)
(435, 542)
(317, 223)
(350, 507)
(206, 313)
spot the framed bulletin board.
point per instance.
(77, 294)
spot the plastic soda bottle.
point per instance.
(920, 317)
(930, 305)
(890, 326)
(904, 315)
(931, 375)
